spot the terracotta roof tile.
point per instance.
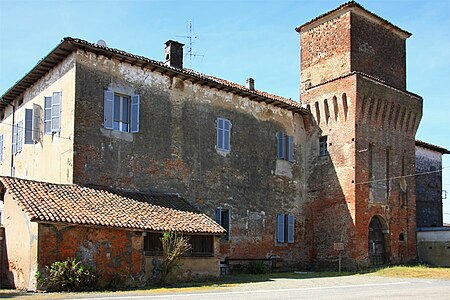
(100, 206)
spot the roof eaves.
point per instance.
(432, 147)
(349, 5)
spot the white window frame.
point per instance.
(52, 113)
(223, 135)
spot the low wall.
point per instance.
(191, 267)
(433, 246)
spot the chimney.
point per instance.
(250, 84)
(174, 54)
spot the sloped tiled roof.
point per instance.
(69, 44)
(75, 204)
(432, 147)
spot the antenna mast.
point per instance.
(190, 37)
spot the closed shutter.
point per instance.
(14, 139)
(220, 133)
(290, 141)
(280, 228)
(290, 235)
(48, 115)
(36, 123)
(135, 102)
(226, 135)
(281, 145)
(1, 147)
(56, 112)
(28, 126)
(19, 136)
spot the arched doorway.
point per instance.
(377, 247)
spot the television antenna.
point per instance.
(190, 37)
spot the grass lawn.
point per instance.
(414, 272)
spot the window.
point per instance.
(32, 121)
(223, 218)
(285, 146)
(323, 146)
(121, 112)
(285, 228)
(223, 134)
(17, 137)
(52, 113)
(1, 147)
(201, 245)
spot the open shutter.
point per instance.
(36, 123)
(56, 112)
(281, 145)
(14, 139)
(280, 228)
(290, 235)
(135, 101)
(108, 109)
(48, 115)
(28, 126)
(19, 136)
(290, 142)
(228, 225)
(1, 147)
(219, 216)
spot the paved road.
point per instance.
(348, 287)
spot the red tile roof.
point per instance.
(69, 44)
(75, 204)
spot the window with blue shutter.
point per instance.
(223, 218)
(290, 148)
(48, 115)
(19, 136)
(52, 113)
(280, 228)
(285, 228)
(121, 112)
(14, 139)
(29, 126)
(223, 134)
(36, 123)
(323, 146)
(290, 227)
(1, 147)
(135, 102)
(56, 112)
(285, 146)
(281, 145)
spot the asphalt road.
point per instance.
(346, 287)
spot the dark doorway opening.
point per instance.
(376, 242)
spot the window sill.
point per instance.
(110, 133)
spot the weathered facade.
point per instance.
(429, 184)
(294, 184)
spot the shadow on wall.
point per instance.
(6, 276)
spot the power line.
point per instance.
(404, 176)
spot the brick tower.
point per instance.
(362, 132)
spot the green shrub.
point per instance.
(68, 275)
(257, 267)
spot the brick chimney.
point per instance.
(174, 54)
(250, 84)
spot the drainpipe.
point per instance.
(12, 139)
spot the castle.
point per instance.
(296, 185)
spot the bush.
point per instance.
(174, 245)
(69, 275)
(257, 267)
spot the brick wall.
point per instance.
(112, 251)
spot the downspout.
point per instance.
(12, 140)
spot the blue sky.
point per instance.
(235, 40)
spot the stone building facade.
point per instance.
(294, 184)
